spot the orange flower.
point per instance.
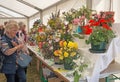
(61, 43)
(57, 52)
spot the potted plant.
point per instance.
(101, 33)
(78, 18)
(67, 52)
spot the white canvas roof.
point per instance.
(24, 8)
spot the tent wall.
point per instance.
(66, 6)
(105, 5)
(101, 5)
(116, 6)
(33, 19)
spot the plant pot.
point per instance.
(68, 64)
(98, 48)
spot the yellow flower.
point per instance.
(70, 26)
(66, 54)
(75, 45)
(61, 57)
(64, 43)
(65, 48)
(73, 54)
(60, 52)
(70, 44)
(57, 52)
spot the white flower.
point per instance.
(82, 60)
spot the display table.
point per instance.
(99, 61)
(49, 63)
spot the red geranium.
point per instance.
(87, 29)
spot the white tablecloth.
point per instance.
(101, 61)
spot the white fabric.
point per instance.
(102, 60)
(116, 28)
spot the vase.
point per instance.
(101, 48)
(68, 64)
(79, 29)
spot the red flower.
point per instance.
(102, 20)
(40, 44)
(106, 26)
(94, 23)
(40, 29)
(87, 29)
(91, 21)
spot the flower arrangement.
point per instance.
(43, 37)
(34, 32)
(101, 30)
(78, 17)
(55, 21)
(45, 43)
(82, 15)
(67, 52)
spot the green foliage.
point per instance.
(55, 21)
(76, 76)
(78, 36)
(100, 35)
(81, 68)
(84, 11)
(67, 37)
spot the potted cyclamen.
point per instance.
(101, 33)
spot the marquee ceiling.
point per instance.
(24, 8)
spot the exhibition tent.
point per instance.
(31, 10)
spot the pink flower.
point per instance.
(76, 21)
